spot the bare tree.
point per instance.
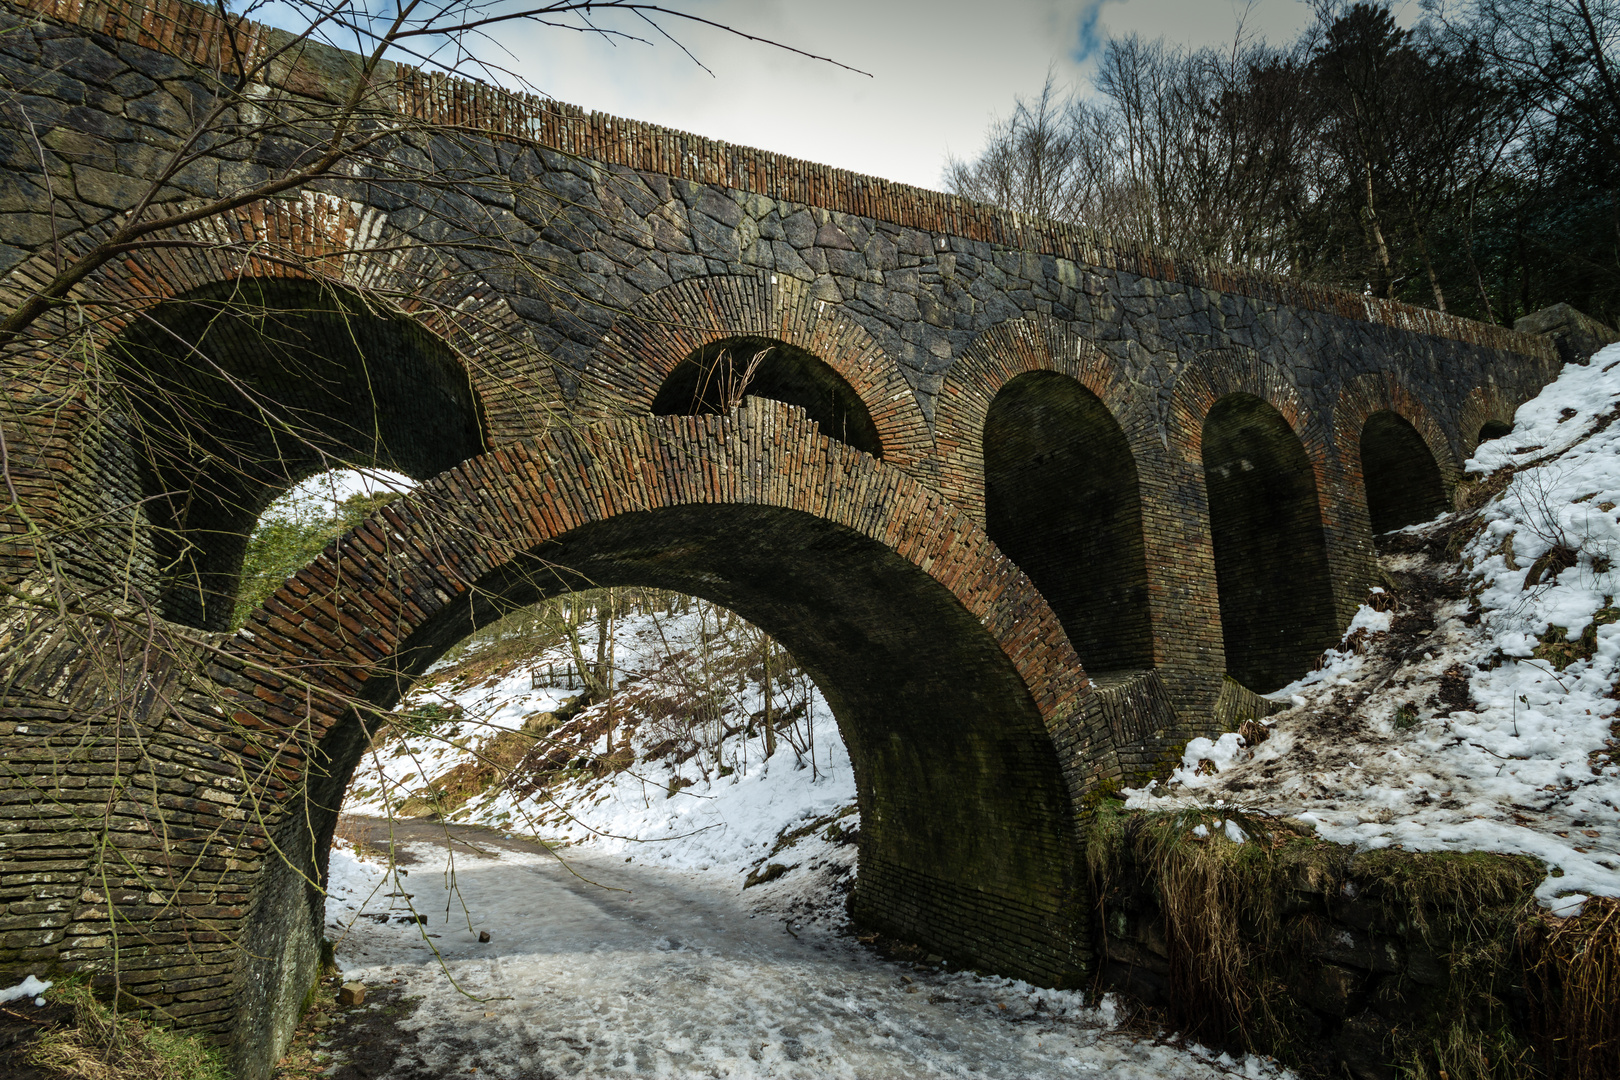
(1197, 151)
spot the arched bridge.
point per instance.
(1032, 508)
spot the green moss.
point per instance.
(1242, 921)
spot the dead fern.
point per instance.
(1572, 973)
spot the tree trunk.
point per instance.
(1375, 233)
(770, 728)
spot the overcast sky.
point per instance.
(940, 70)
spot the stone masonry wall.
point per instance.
(897, 289)
(657, 245)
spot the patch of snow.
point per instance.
(606, 968)
(32, 986)
(1530, 763)
(722, 812)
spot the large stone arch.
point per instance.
(973, 728)
(649, 341)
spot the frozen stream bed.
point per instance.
(614, 968)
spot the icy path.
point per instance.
(671, 973)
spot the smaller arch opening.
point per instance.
(1061, 499)
(1271, 565)
(1399, 473)
(716, 378)
(301, 521)
(240, 390)
(1493, 429)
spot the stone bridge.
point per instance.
(1032, 508)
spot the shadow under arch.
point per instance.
(1400, 474)
(718, 375)
(1271, 566)
(969, 720)
(1061, 498)
(239, 390)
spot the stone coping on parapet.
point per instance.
(194, 33)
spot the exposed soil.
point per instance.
(1418, 579)
(21, 1022)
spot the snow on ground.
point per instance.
(31, 987)
(678, 802)
(1466, 735)
(607, 967)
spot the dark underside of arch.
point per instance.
(239, 391)
(966, 841)
(1062, 500)
(718, 375)
(1270, 555)
(1400, 475)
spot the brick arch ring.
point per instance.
(1214, 374)
(345, 245)
(973, 729)
(1365, 395)
(995, 358)
(1484, 404)
(665, 327)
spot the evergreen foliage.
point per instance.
(290, 535)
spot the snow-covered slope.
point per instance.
(1473, 706)
(685, 782)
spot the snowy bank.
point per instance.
(1482, 717)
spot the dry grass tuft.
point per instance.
(1572, 972)
(1239, 929)
(102, 1046)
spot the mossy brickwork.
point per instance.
(973, 730)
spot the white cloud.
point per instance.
(937, 71)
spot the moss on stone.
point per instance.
(1250, 927)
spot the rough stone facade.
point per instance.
(984, 361)
(1360, 971)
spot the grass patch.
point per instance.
(1572, 970)
(102, 1046)
(1249, 928)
